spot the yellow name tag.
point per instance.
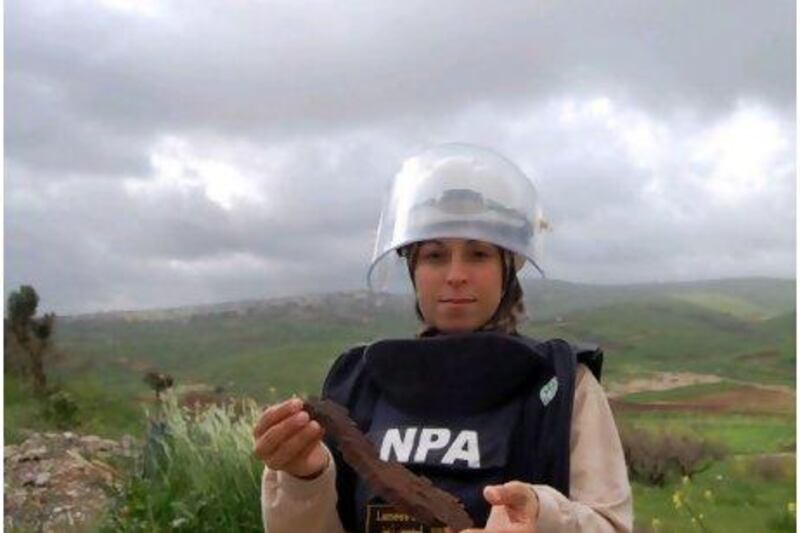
(382, 518)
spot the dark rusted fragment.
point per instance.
(393, 482)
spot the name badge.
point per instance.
(383, 518)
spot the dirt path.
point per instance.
(660, 381)
(746, 398)
(777, 388)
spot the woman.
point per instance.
(508, 424)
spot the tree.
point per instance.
(15, 359)
(32, 334)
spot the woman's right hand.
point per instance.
(286, 439)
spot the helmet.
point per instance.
(457, 191)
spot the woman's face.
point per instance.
(459, 283)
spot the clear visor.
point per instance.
(455, 191)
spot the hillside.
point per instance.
(742, 329)
(749, 298)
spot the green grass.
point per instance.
(741, 499)
(209, 482)
(21, 411)
(245, 354)
(292, 368)
(729, 497)
(202, 476)
(724, 303)
(672, 335)
(212, 462)
(100, 411)
(741, 434)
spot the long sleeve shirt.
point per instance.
(600, 494)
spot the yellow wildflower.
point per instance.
(791, 507)
(708, 495)
(676, 499)
(685, 480)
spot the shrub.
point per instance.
(653, 457)
(693, 455)
(61, 409)
(770, 467)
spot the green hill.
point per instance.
(666, 334)
(287, 345)
(751, 298)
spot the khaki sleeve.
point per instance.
(600, 494)
(290, 504)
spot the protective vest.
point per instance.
(463, 410)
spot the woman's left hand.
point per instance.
(515, 508)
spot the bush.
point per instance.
(61, 409)
(654, 457)
(770, 467)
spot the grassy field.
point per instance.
(253, 353)
(740, 433)
(752, 489)
(730, 496)
(101, 411)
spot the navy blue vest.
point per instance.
(465, 411)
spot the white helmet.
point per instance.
(457, 191)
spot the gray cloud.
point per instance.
(278, 67)
(210, 152)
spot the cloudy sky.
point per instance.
(161, 153)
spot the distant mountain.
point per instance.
(752, 298)
(302, 306)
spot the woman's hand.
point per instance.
(287, 439)
(515, 508)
